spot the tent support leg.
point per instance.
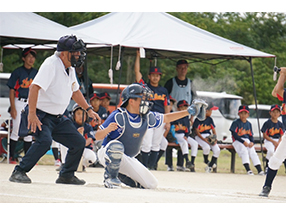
(255, 98)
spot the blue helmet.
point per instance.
(138, 91)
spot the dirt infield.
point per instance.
(174, 187)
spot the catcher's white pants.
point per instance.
(153, 138)
(163, 144)
(88, 155)
(133, 168)
(184, 144)
(19, 105)
(206, 147)
(245, 152)
(279, 155)
(270, 147)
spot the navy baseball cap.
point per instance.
(26, 51)
(95, 96)
(243, 108)
(179, 62)
(105, 95)
(274, 107)
(70, 43)
(155, 70)
(182, 103)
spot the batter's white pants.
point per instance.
(132, 168)
(152, 139)
(270, 147)
(245, 152)
(88, 155)
(279, 155)
(184, 144)
(19, 105)
(207, 147)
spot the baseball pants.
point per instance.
(19, 105)
(132, 168)
(207, 147)
(270, 148)
(245, 152)
(62, 130)
(184, 144)
(279, 155)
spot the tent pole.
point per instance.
(119, 78)
(255, 98)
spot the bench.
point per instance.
(228, 147)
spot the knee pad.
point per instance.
(114, 152)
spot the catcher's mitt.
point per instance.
(211, 139)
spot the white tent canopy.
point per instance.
(165, 35)
(27, 27)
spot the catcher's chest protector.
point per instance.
(132, 133)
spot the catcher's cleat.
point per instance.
(112, 183)
(265, 191)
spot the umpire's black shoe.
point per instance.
(265, 191)
(70, 180)
(19, 177)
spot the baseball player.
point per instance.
(182, 131)
(49, 96)
(19, 83)
(95, 102)
(120, 146)
(273, 131)
(204, 129)
(242, 135)
(280, 153)
(154, 139)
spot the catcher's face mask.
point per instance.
(146, 104)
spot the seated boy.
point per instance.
(242, 136)
(182, 130)
(273, 131)
(203, 130)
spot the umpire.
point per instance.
(50, 93)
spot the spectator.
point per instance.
(203, 129)
(154, 139)
(242, 135)
(105, 101)
(95, 102)
(19, 83)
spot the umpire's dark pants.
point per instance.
(62, 130)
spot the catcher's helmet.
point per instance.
(138, 91)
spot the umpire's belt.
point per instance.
(56, 116)
(22, 99)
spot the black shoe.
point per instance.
(190, 166)
(70, 180)
(265, 191)
(19, 177)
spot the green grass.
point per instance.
(223, 163)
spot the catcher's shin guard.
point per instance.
(113, 157)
